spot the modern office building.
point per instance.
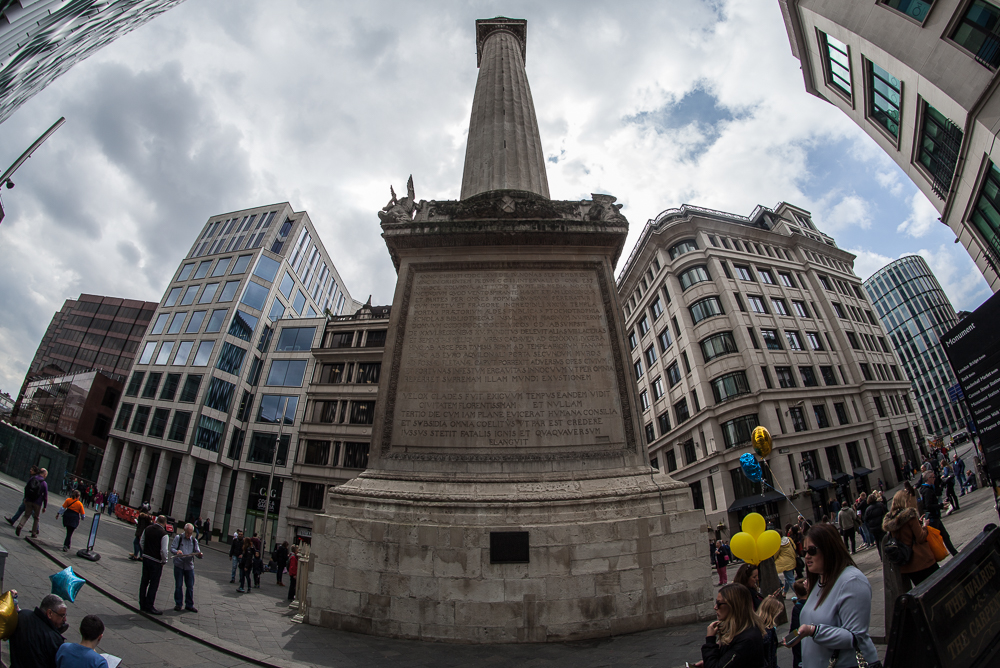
(919, 77)
(335, 434)
(214, 403)
(77, 375)
(42, 39)
(916, 313)
(736, 322)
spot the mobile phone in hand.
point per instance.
(792, 639)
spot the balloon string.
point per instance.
(778, 489)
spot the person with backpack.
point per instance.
(36, 501)
(907, 546)
(72, 512)
(33, 471)
(185, 548)
(873, 520)
(948, 480)
(721, 563)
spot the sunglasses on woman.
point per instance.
(812, 550)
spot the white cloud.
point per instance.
(868, 262)
(890, 180)
(958, 275)
(923, 217)
(849, 211)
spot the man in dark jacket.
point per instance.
(38, 634)
(155, 544)
(36, 500)
(932, 508)
(235, 550)
(873, 520)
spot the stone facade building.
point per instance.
(735, 322)
(215, 401)
(916, 313)
(920, 78)
(335, 434)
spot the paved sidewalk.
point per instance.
(257, 626)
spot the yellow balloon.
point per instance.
(761, 438)
(768, 544)
(743, 546)
(754, 525)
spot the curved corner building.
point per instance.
(735, 322)
(41, 39)
(916, 313)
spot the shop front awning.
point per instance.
(755, 500)
(819, 484)
(841, 478)
(861, 472)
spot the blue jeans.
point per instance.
(137, 550)
(236, 561)
(17, 515)
(185, 578)
(789, 580)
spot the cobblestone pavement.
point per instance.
(255, 628)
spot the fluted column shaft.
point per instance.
(504, 149)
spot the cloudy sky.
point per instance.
(221, 105)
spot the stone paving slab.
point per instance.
(259, 628)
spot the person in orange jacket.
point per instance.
(72, 512)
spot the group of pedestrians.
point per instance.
(248, 563)
(156, 549)
(830, 617)
(37, 639)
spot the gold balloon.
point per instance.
(768, 544)
(761, 441)
(8, 616)
(754, 525)
(743, 546)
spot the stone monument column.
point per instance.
(509, 496)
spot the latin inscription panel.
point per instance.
(512, 360)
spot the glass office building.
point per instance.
(916, 313)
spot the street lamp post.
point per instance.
(5, 177)
(270, 477)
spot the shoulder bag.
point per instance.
(936, 542)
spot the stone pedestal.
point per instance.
(509, 496)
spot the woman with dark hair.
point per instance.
(749, 576)
(736, 638)
(836, 615)
(72, 512)
(280, 557)
(141, 522)
(246, 565)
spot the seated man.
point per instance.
(84, 655)
(38, 635)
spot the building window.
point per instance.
(644, 400)
(665, 340)
(771, 340)
(736, 433)
(317, 453)
(275, 408)
(637, 367)
(690, 456)
(729, 386)
(178, 428)
(664, 421)
(644, 325)
(767, 377)
(650, 433)
(743, 272)
(841, 410)
(814, 341)
(976, 32)
(786, 279)
(800, 309)
(779, 306)
(632, 340)
(753, 338)
(784, 374)
(885, 91)
(717, 345)
(262, 448)
(362, 412)
(828, 376)
(916, 9)
(693, 276)
(682, 247)
(295, 338)
(798, 419)
(189, 393)
(673, 374)
(986, 215)
(356, 455)
(853, 340)
(219, 395)
(135, 383)
(808, 376)
(210, 433)
(312, 495)
(650, 357)
(879, 407)
(756, 304)
(837, 63)
(681, 411)
(819, 410)
(794, 341)
(286, 373)
(866, 371)
(656, 308)
(705, 308)
(765, 276)
(658, 390)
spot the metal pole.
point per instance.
(270, 477)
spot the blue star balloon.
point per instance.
(66, 584)
(751, 469)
